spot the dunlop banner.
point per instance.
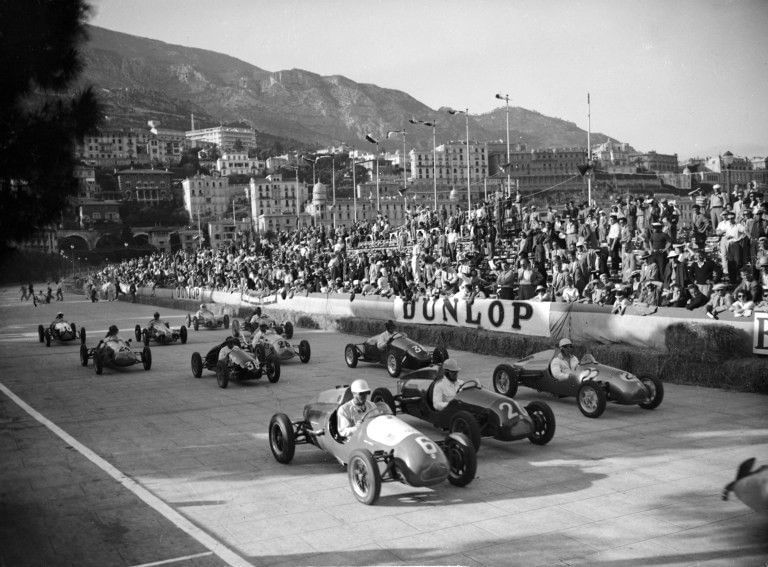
(506, 316)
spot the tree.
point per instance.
(40, 118)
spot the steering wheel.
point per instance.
(465, 385)
(373, 412)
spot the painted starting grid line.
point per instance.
(222, 551)
(175, 560)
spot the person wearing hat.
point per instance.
(757, 230)
(350, 414)
(564, 364)
(700, 226)
(381, 341)
(660, 244)
(733, 237)
(448, 386)
(720, 301)
(749, 284)
(716, 203)
(541, 294)
(621, 301)
(59, 319)
(649, 271)
(675, 272)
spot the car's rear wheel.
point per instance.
(439, 355)
(282, 441)
(226, 321)
(137, 332)
(41, 333)
(195, 324)
(74, 329)
(288, 329)
(260, 352)
(183, 335)
(82, 335)
(304, 351)
(47, 337)
(464, 422)
(273, 370)
(394, 366)
(146, 357)
(543, 423)
(222, 374)
(364, 476)
(383, 395)
(591, 399)
(505, 381)
(197, 365)
(350, 355)
(189, 320)
(462, 459)
(656, 391)
(145, 337)
(83, 355)
(98, 364)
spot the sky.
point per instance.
(675, 76)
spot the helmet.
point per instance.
(230, 342)
(389, 325)
(263, 327)
(113, 329)
(257, 311)
(565, 342)
(60, 315)
(360, 386)
(157, 315)
(451, 365)
(202, 306)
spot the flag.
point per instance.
(371, 139)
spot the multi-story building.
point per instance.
(90, 212)
(145, 185)
(733, 170)
(114, 148)
(209, 197)
(238, 164)
(613, 153)
(536, 170)
(448, 163)
(86, 181)
(278, 203)
(165, 145)
(655, 162)
(275, 162)
(759, 163)
(225, 137)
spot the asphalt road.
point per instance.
(159, 468)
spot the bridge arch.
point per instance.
(79, 242)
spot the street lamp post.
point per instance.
(465, 112)
(509, 182)
(373, 140)
(72, 248)
(433, 124)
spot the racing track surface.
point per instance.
(194, 482)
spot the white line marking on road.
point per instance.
(225, 553)
(175, 560)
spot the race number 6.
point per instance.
(428, 446)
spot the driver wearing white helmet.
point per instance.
(447, 387)
(564, 363)
(351, 413)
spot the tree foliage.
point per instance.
(41, 117)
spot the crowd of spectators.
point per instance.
(632, 252)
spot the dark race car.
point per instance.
(60, 331)
(206, 319)
(594, 385)
(273, 344)
(160, 333)
(474, 411)
(239, 365)
(400, 352)
(115, 353)
(382, 449)
(252, 325)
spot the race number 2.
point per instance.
(509, 409)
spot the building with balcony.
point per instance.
(114, 148)
(448, 163)
(655, 162)
(238, 163)
(613, 153)
(272, 195)
(145, 185)
(225, 137)
(165, 145)
(209, 197)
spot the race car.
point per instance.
(285, 329)
(205, 318)
(382, 449)
(594, 384)
(162, 334)
(750, 485)
(400, 352)
(60, 331)
(474, 411)
(115, 353)
(272, 344)
(239, 365)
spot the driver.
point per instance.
(110, 336)
(156, 321)
(261, 334)
(59, 319)
(229, 345)
(564, 364)
(257, 316)
(204, 310)
(351, 413)
(382, 339)
(447, 387)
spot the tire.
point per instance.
(137, 332)
(197, 365)
(385, 396)
(462, 459)
(74, 329)
(350, 355)
(273, 370)
(304, 351)
(282, 440)
(82, 335)
(364, 476)
(235, 327)
(504, 380)
(591, 399)
(394, 366)
(83, 355)
(222, 376)
(195, 324)
(543, 422)
(146, 357)
(98, 364)
(288, 329)
(464, 422)
(145, 337)
(183, 335)
(41, 333)
(657, 388)
(439, 355)
(261, 353)
(47, 337)
(189, 320)
(226, 321)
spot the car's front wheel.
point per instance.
(505, 381)
(655, 389)
(288, 329)
(543, 423)
(41, 333)
(222, 374)
(462, 459)
(226, 321)
(82, 335)
(304, 351)
(591, 399)
(84, 355)
(439, 355)
(183, 335)
(464, 422)
(350, 355)
(146, 357)
(197, 365)
(47, 337)
(394, 366)
(282, 441)
(364, 476)
(137, 332)
(272, 369)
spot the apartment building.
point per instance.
(225, 137)
(448, 163)
(145, 185)
(238, 164)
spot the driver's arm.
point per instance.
(383, 339)
(345, 424)
(560, 369)
(441, 397)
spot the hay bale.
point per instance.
(745, 375)
(307, 322)
(681, 370)
(699, 342)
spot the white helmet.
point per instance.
(360, 386)
(451, 365)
